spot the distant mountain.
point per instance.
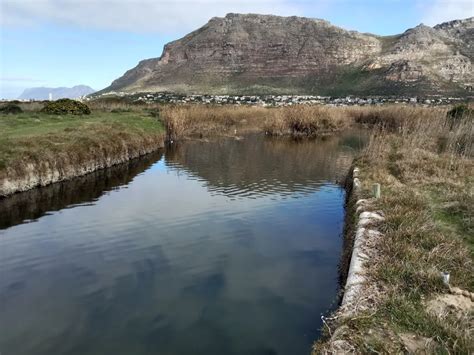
(42, 93)
(271, 54)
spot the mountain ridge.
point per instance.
(42, 93)
(272, 54)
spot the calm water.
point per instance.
(229, 247)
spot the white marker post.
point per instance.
(376, 190)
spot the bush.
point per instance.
(11, 108)
(66, 106)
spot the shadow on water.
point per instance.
(30, 205)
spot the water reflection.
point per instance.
(259, 166)
(179, 262)
(31, 205)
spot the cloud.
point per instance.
(135, 15)
(438, 11)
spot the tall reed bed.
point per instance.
(202, 120)
(306, 120)
(297, 121)
(413, 129)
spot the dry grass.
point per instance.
(198, 120)
(119, 104)
(426, 172)
(34, 106)
(301, 120)
(425, 128)
(298, 120)
(395, 118)
(307, 121)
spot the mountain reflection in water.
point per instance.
(259, 166)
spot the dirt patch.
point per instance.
(447, 303)
(416, 344)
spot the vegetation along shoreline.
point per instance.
(39, 147)
(411, 289)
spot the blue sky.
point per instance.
(92, 42)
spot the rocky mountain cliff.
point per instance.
(271, 54)
(42, 93)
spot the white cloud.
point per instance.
(438, 11)
(135, 15)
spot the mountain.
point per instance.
(42, 93)
(271, 54)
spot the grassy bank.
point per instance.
(33, 143)
(425, 165)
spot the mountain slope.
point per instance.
(273, 54)
(42, 93)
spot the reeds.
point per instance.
(198, 120)
(306, 121)
(297, 121)
(415, 129)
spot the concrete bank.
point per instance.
(37, 174)
(361, 235)
(365, 234)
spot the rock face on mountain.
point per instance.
(272, 54)
(42, 93)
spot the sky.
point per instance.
(92, 42)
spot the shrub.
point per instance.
(66, 106)
(11, 108)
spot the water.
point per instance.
(228, 247)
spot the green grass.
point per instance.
(37, 124)
(36, 138)
(453, 211)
